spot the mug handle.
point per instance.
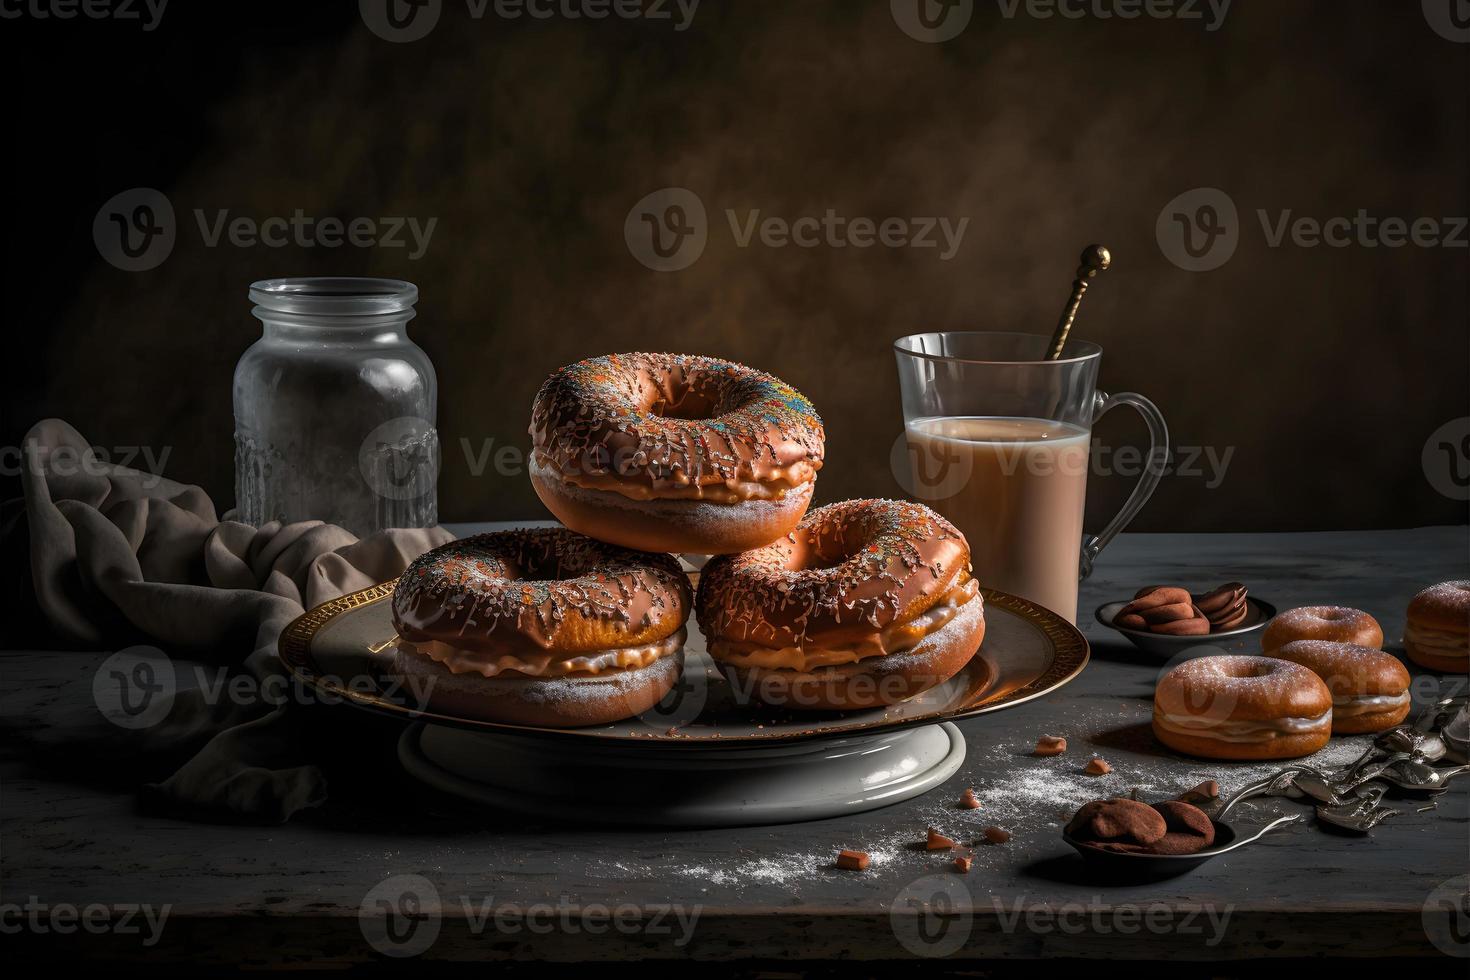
(1158, 454)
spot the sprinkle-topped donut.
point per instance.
(850, 567)
(674, 452)
(541, 626)
(548, 588)
(859, 587)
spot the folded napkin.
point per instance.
(118, 556)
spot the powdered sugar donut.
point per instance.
(541, 626)
(1336, 624)
(674, 452)
(1437, 634)
(1370, 688)
(866, 603)
(1232, 707)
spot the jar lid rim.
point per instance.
(334, 295)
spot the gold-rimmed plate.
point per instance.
(343, 651)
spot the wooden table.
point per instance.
(508, 888)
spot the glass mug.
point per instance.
(998, 438)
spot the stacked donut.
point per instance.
(854, 605)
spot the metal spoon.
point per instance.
(1361, 815)
(1411, 774)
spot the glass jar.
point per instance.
(334, 408)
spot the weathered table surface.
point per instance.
(508, 887)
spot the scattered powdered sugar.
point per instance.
(1029, 796)
(781, 869)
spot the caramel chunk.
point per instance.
(1098, 767)
(962, 863)
(1203, 793)
(969, 800)
(852, 860)
(937, 841)
(1050, 745)
(994, 835)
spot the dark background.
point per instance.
(1325, 369)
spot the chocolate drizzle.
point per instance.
(547, 588)
(849, 569)
(676, 420)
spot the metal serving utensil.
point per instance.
(1359, 815)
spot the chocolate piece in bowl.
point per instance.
(1189, 829)
(1117, 824)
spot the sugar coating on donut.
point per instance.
(1306, 616)
(612, 415)
(891, 552)
(1264, 688)
(1348, 669)
(528, 581)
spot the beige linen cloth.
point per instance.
(119, 557)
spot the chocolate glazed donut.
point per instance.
(866, 603)
(674, 452)
(541, 626)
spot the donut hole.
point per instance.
(682, 400)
